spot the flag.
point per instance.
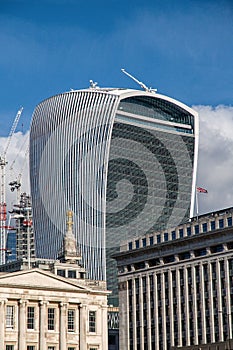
(201, 190)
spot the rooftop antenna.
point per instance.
(143, 86)
(93, 85)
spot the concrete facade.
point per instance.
(49, 305)
(176, 287)
(41, 311)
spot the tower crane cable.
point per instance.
(19, 151)
(3, 213)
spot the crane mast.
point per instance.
(3, 211)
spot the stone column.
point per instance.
(211, 306)
(124, 315)
(194, 292)
(148, 303)
(42, 325)
(156, 311)
(82, 326)
(163, 306)
(186, 301)
(141, 313)
(178, 296)
(104, 326)
(203, 306)
(171, 313)
(22, 324)
(219, 298)
(228, 300)
(2, 323)
(63, 326)
(134, 315)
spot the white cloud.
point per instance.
(215, 164)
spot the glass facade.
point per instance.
(123, 161)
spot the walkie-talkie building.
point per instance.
(124, 161)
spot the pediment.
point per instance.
(38, 279)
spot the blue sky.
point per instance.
(184, 48)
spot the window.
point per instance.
(221, 223)
(10, 316)
(196, 229)
(158, 238)
(204, 227)
(51, 319)
(51, 347)
(173, 234)
(212, 225)
(9, 347)
(229, 221)
(166, 236)
(69, 348)
(30, 347)
(189, 231)
(92, 321)
(144, 242)
(137, 243)
(130, 245)
(71, 274)
(30, 318)
(61, 273)
(151, 240)
(71, 320)
(181, 233)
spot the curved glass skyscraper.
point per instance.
(124, 161)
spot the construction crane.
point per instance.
(3, 211)
(17, 183)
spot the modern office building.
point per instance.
(124, 161)
(176, 287)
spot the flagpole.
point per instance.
(196, 203)
(199, 190)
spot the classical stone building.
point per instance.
(176, 287)
(49, 305)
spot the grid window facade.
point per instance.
(51, 319)
(145, 157)
(92, 321)
(10, 315)
(30, 318)
(71, 320)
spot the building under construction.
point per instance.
(23, 228)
